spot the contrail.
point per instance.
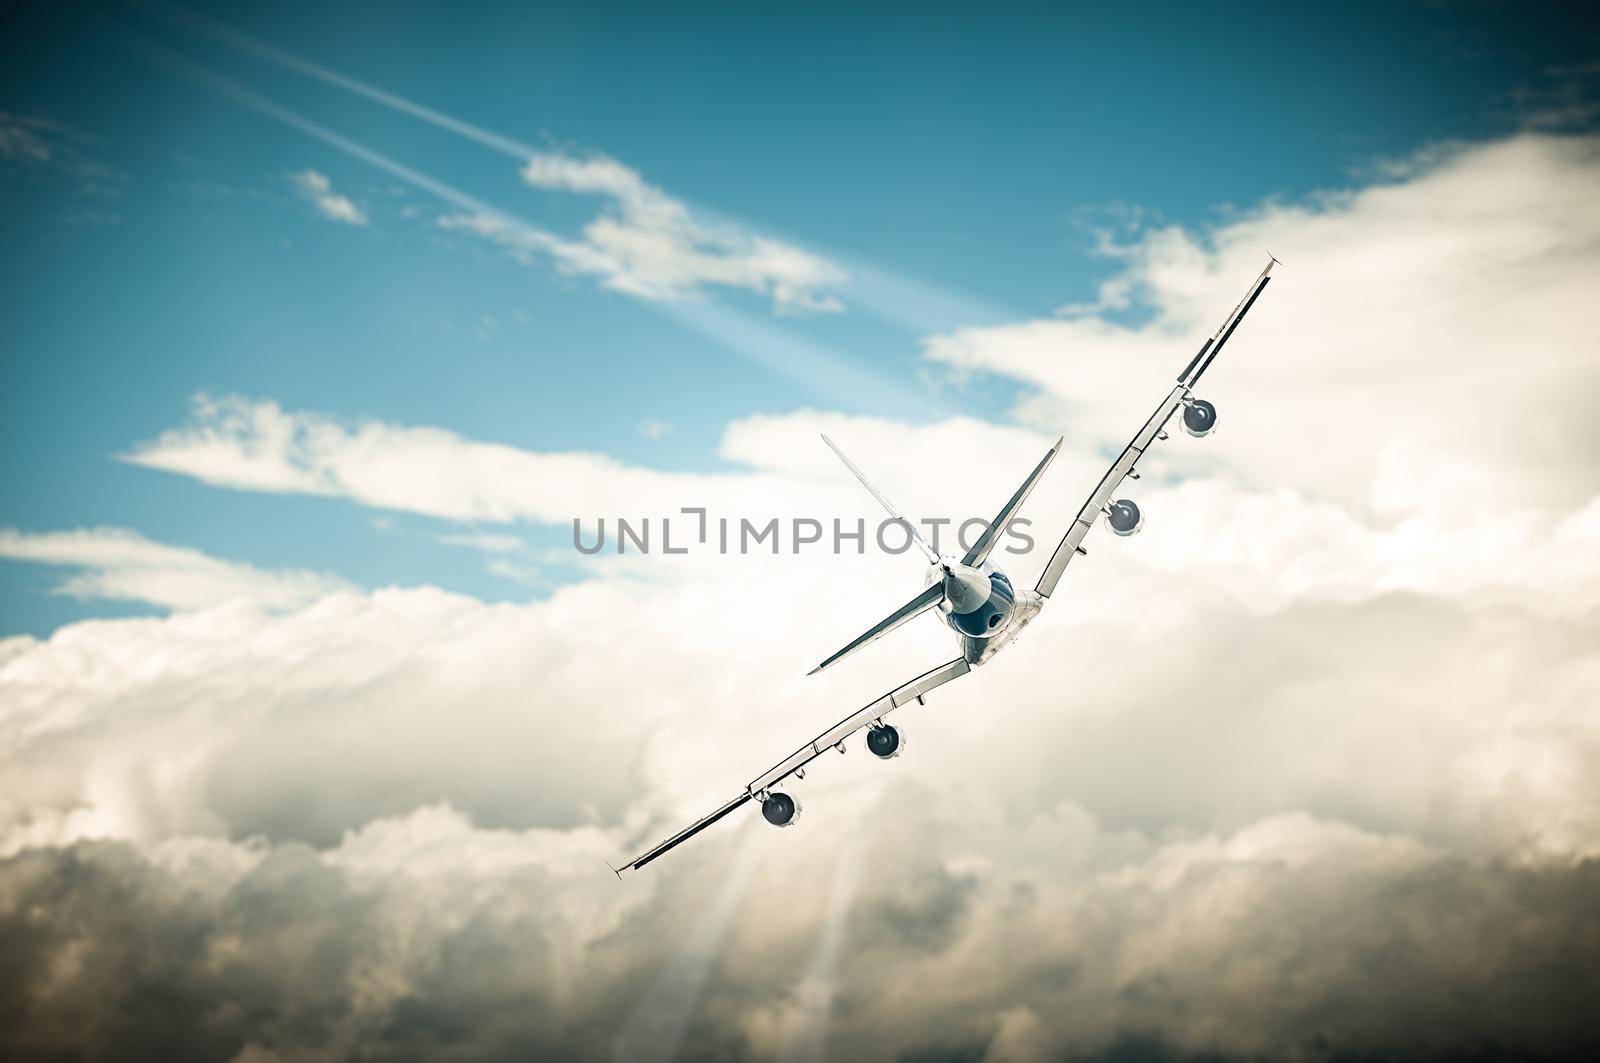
(805, 364)
(913, 305)
(245, 97)
(219, 33)
(851, 384)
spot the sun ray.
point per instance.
(806, 1029)
(655, 1030)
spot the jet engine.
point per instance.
(886, 742)
(779, 809)
(1199, 417)
(1124, 517)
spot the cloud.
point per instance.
(655, 429)
(122, 565)
(649, 245)
(23, 139)
(423, 935)
(485, 542)
(1430, 525)
(257, 446)
(653, 246)
(1435, 322)
(1316, 819)
(317, 190)
(44, 146)
(510, 558)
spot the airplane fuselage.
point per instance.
(981, 605)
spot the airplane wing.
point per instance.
(924, 601)
(1153, 430)
(832, 739)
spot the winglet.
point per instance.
(617, 871)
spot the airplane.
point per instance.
(974, 595)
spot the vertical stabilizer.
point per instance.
(916, 536)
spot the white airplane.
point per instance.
(973, 595)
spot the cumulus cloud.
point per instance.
(117, 564)
(1308, 770)
(424, 936)
(256, 445)
(1211, 856)
(1435, 324)
(1431, 526)
(653, 246)
(317, 189)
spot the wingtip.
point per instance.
(815, 670)
(617, 871)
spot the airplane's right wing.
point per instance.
(794, 765)
(1154, 429)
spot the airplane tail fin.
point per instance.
(936, 593)
(916, 536)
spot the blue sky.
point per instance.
(954, 167)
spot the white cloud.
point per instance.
(1436, 325)
(257, 446)
(485, 542)
(510, 558)
(1245, 835)
(653, 246)
(317, 190)
(1433, 526)
(654, 428)
(1443, 315)
(122, 565)
(64, 151)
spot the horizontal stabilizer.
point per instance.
(915, 607)
(997, 527)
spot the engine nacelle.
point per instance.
(886, 742)
(1124, 517)
(779, 809)
(1199, 417)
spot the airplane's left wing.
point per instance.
(833, 738)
